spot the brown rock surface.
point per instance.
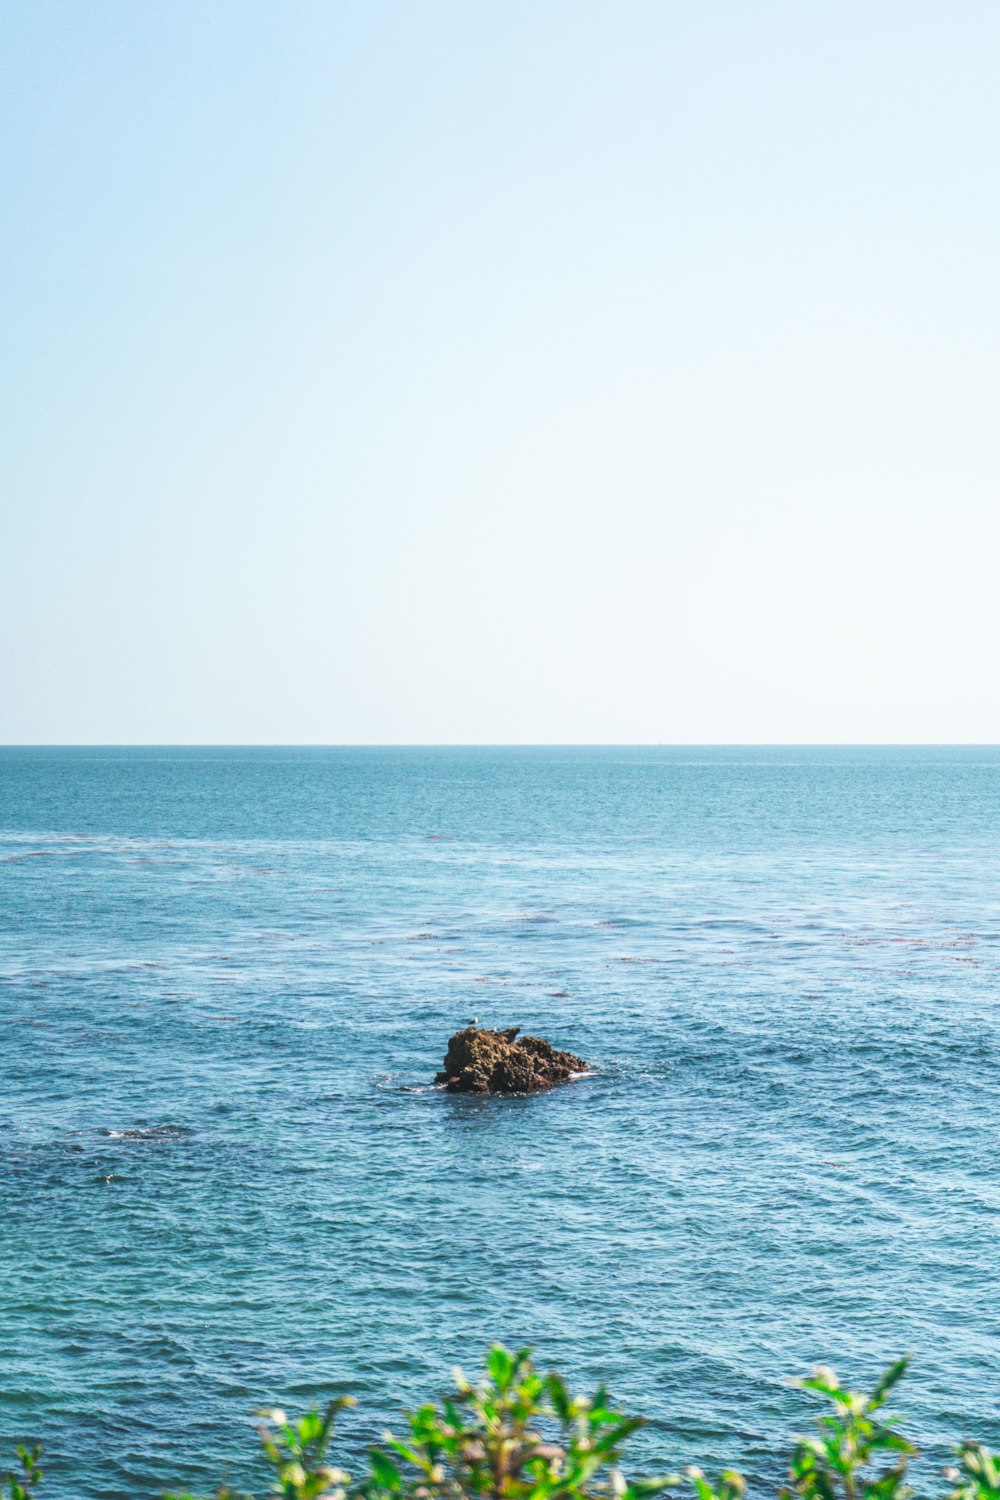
(495, 1062)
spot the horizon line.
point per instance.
(499, 745)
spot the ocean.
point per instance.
(228, 976)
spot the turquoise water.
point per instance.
(227, 978)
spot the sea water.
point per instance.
(228, 976)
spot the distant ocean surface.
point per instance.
(227, 977)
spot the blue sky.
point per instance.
(499, 372)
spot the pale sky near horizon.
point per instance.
(500, 371)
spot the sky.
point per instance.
(499, 371)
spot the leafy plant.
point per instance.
(517, 1434)
(296, 1451)
(844, 1460)
(22, 1485)
(977, 1476)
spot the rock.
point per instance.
(495, 1062)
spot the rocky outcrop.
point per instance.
(496, 1062)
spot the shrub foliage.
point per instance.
(517, 1434)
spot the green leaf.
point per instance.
(892, 1377)
(559, 1397)
(384, 1470)
(638, 1489)
(500, 1365)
